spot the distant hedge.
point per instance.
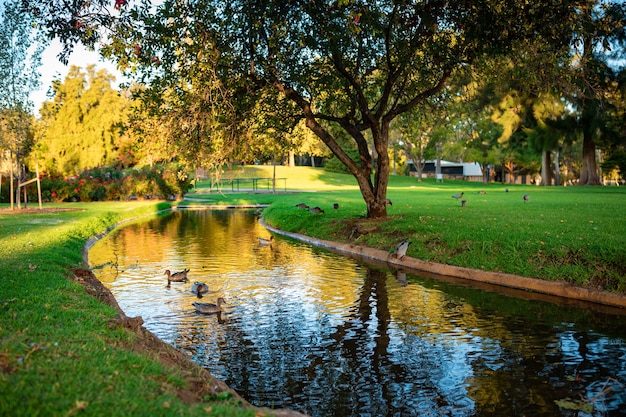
(170, 182)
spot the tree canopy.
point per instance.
(344, 65)
(81, 126)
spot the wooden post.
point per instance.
(11, 179)
(38, 185)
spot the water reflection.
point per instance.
(313, 331)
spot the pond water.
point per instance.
(317, 332)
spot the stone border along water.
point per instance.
(559, 292)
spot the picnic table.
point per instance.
(254, 184)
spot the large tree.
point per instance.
(349, 64)
(598, 49)
(82, 126)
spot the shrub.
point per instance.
(101, 184)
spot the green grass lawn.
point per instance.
(60, 356)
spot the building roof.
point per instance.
(470, 169)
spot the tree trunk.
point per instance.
(589, 170)
(557, 174)
(546, 169)
(292, 159)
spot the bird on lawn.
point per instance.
(209, 308)
(316, 210)
(266, 242)
(388, 202)
(302, 206)
(180, 276)
(458, 196)
(463, 203)
(401, 249)
(482, 192)
(199, 288)
(335, 206)
(526, 197)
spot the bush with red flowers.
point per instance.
(161, 182)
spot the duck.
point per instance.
(199, 288)
(336, 206)
(388, 202)
(526, 197)
(316, 210)
(459, 195)
(401, 249)
(302, 206)
(463, 203)
(209, 308)
(266, 242)
(180, 276)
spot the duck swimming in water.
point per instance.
(266, 242)
(199, 288)
(180, 276)
(209, 308)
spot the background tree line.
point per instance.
(504, 84)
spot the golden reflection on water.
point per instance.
(311, 330)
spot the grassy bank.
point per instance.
(60, 354)
(575, 234)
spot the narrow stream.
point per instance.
(317, 332)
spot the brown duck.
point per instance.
(209, 308)
(180, 276)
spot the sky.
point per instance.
(52, 68)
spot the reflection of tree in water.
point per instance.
(332, 370)
(359, 365)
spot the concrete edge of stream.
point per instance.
(559, 292)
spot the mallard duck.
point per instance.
(266, 242)
(180, 276)
(209, 308)
(199, 288)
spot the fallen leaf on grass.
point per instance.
(79, 406)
